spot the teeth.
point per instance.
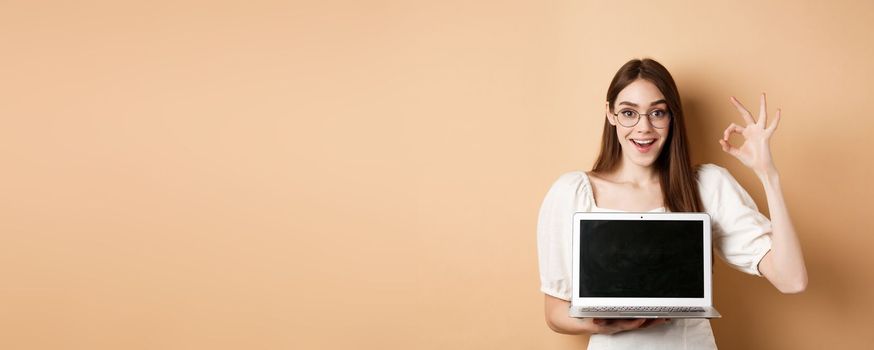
(643, 142)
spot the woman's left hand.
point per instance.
(755, 151)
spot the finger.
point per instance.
(654, 322)
(728, 148)
(606, 326)
(775, 122)
(763, 110)
(631, 324)
(648, 323)
(733, 128)
(743, 111)
(599, 326)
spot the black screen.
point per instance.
(641, 259)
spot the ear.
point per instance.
(608, 114)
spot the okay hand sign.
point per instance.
(755, 152)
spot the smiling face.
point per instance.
(641, 143)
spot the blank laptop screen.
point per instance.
(641, 259)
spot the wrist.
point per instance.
(769, 175)
(589, 326)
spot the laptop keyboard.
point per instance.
(642, 309)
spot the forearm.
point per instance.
(558, 320)
(786, 269)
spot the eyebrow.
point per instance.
(653, 103)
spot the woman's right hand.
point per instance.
(558, 320)
(616, 325)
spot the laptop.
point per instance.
(642, 265)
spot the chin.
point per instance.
(642, 160)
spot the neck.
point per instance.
(632, 173)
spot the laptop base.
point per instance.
(709, 312)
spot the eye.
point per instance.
(628, 113)
(658, 113)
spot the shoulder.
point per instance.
(571, 177)
(571, 182)
(571, 190)
(711, 176)
(716, 185)
(712, 180)
(710, 173)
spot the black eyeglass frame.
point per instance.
(648, 116)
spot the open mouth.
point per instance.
(643, 145)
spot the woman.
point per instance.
(644, 166)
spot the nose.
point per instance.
(644, 124)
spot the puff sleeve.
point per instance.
(741, 234)
(554, 235)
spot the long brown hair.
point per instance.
(679, 188)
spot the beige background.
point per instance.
(350, 174)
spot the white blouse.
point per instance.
(741, 238)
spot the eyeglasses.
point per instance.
(658, 118)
